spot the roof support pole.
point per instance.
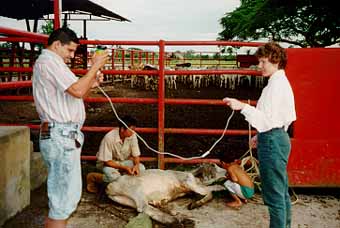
(65, 20)
(28, 27)
(57, 10)
(35, 25)
(84, 29)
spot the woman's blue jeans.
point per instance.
(273, 151)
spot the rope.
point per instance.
(253, 171)
(297, 200)
(168, 153)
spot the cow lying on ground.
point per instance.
(153, 188)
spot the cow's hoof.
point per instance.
(183, 223)
(192, 205)
(188, 223)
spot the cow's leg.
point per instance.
(207, 197)
(198, 203)
(203, 190)
(133, 81)
(191, 183)
(175, 84)
(123, 200)
(118, 190)
(134, 199)
(199, 81)
(159, 215)
(146, 82)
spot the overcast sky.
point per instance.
(155, 20)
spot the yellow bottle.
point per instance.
(100, 49)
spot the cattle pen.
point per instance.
(313, 73)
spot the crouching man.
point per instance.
(239, 184)
(118, 154)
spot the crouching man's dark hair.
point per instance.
(128, 120)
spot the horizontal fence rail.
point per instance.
(160, 73)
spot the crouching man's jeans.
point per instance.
(273, 151)
(111, 174)
(60, 146)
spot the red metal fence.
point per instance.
(315, 144)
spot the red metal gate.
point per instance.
(315, 143)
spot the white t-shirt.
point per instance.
(113, 148)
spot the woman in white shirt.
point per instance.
(271, 117)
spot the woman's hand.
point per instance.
(233, 103)
(253, 142)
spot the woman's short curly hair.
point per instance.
(274, 52)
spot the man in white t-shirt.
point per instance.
(58, 97)
(119, 151)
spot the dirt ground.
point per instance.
(315, 207)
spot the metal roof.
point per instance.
(36, 9)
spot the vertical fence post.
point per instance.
(161, 108)
(113, 58)
(123, 59)
(140, 57)
(132, 57)
(200, 59)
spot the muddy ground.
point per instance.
(315, 208)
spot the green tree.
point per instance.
(47, 28)
(217, 55)
(6, 45)
(306, 23)
(189, 54)
(230, 51)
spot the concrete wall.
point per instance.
(15, 171)
(38, 170)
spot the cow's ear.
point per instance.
(224, 165)
(237, 161)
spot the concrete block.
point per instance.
(15, 170)
(38, 170)
(31, 147)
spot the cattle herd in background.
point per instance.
(150, 82)
(190, 81)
